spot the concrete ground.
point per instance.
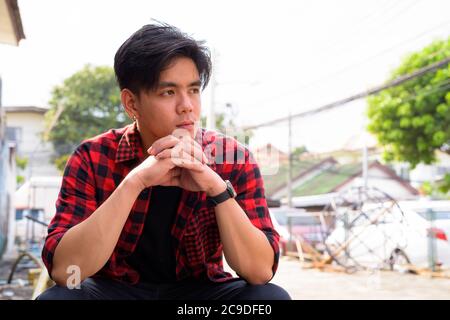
(20, 288)
(310, 284)
(306, 284)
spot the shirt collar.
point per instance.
(130, 144)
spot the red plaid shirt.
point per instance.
(98, 166)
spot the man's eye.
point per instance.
(195, 90)
(168, 93)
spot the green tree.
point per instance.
(297, 152)
(21, 163)
(221, 124)
(227, 126)
(412, 120)
(85, 105)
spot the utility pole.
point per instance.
(365, 160)
(0, 92)
(431, 215)
(211, 117)
(289, 184)
(365, 167)
(437, 65)
(2, 120)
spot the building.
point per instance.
(25, 126)
(379, 175)
(425, 172)
(269, 159)
(36, 199)
(327, 176)
(267, 151)
(11, 32)
(302, 171)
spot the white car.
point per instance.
(396, 240)
(304, 225)
(282, 231)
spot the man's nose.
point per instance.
(185, 104)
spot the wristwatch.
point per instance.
(221, 197)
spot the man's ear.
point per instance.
(130, 103)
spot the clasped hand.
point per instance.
(178, 160)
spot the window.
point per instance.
(14, 134)
(19, 214)
(443, 170)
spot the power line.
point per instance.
(336, 172)
(383, 22)
(357, 96)
(361, 62)
(442, 86)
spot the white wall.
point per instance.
(11, 187)
(31, 145)
(382, 181)
(37, 193)
(422, 172)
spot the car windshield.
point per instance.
(304, 220)
(438, 214)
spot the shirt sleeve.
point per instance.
(249, 187)
(76, 201)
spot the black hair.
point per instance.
(141, 58)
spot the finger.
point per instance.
(188, 162)
(195, 150)
(181, 132)
(175, 172)
(164, 143)
(172, 176)
(168, 163)
(176, 153)
(201, 152)
(179, 154)
(165, 154)
(177, 157)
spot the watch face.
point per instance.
(230, 189)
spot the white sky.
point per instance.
(272, 56)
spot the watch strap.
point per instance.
(223, 196)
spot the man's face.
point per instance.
(174, 104)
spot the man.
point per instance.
(146, 211)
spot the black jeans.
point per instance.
(107, 289)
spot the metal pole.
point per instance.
(290, 245)
(346, 237)
(365, 166)
(211, 118)
(431, 241)
(2, 121)
(289, 184)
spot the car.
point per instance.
(282, 231)
(402, 238)
(295, 223)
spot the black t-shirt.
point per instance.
(154, 257)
